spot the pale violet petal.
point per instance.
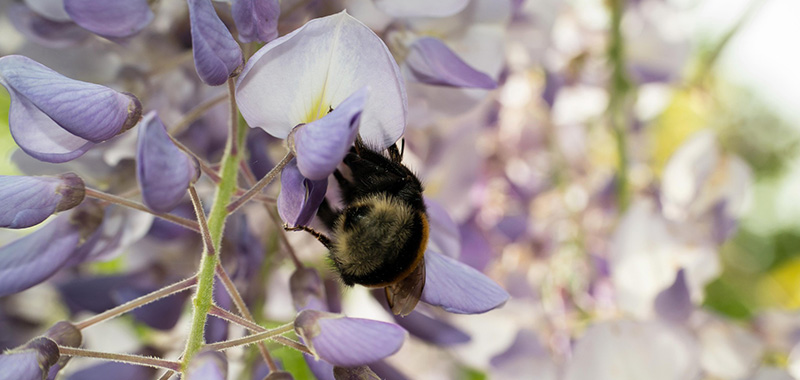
(50, 9)
(44, 31)
(444, 234)
(458, 288)
(299, 77)
(300, 197)
(110, 18)
(320, 146)
(208, 365)
(256, 20)
(431, 61)
(421, 8)
(641, 350)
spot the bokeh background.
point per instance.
(639, 204)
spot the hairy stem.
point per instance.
(216, 224)
(123, 358)
(204, 166)
(110, 198)
(208, 245)
(234, 123)
(251, 338)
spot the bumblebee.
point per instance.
(380, 236)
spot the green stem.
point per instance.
(216, 223)
(617, 106)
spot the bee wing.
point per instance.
(404, 295)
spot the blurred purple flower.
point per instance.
(300, 197)
(163, 171)
(162, 314)
(431, 61)
(320, 146)
(29, 362)
(352, 57)
(113, 19)
(44, 31)
(675, 303)
(113, 370)
(28, 201)
(256, 20)
(347, 342)
(354, 373)
(421, 8)
(34, 258)
(217, 55)
(208, 365)
(306, 288)
(49, 9)
(56, 119)
(66, 334)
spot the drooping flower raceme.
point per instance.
(56, 119)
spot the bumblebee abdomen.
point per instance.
(379, 240)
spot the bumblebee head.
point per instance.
(379, 240)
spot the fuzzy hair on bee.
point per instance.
(380, 235)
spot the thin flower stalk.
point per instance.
(261, 184)
(138, 302)
(196, 113)
(122, 358)
(251, 338)
(242, 306)
(617, 107)
(115, 199)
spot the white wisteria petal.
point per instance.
(300, 77)
(642, 258)
(727, 350)
(421, 8)
(628, 350)
(686, 172)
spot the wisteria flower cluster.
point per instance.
(323, 87)
(372, 189)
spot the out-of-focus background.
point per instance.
(640, 208)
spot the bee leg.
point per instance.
(396, 155)
(326, 241)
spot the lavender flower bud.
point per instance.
(256, 20)
(217, 55)
(56, 119)
(164, 171)
(28, 201)
(31, 361)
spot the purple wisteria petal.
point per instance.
(28, 201)
(348, 342)
(34, 258)
(320, 146)
(432, 330)
(421, 8)
(64, 334)
(44, 31)
(306, 288)
(113, 370)
(49, 9)
(54, 118)
(256, 20)
(93, 294)
(458, 288)
(444, 233)
(164, 172)
(29, 362)
(216, 54)
(322, 370)
(162, 314)
(208, 365)
(300, 197)
(386, 371)
(431, 61)
(316, 68)
(675, 303)
(110, 18)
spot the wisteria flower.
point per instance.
(56, 119)
(113, 19)
(217, 55)
(30, 200)
(323, 63)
